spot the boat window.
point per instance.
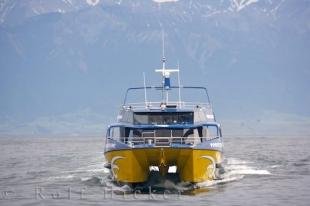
(192, 132)
(115, 132)
(177, 133)
(148, 133)
(163, 118)
(118, 133)
(156, 132)
(123, 133)
(210, 131)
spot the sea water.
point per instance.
(70, 171)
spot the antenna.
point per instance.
(179, 83)
(145, 97)
(163, 49)
(165, 74)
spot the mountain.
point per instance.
(63, 57)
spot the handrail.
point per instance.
(163, 141)
(156, 104)
(186, 126)
(160, 88)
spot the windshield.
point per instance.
(209, 131)
(163, 118)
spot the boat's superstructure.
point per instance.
(176, 134)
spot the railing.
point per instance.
(164, 141)
(158, 105)
(203, 93)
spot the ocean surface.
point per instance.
(70, 171)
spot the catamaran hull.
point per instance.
(193, 165)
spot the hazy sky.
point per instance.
(64, 68)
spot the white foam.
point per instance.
(235, 161)
(228, 178)
(94, 168)
(240, 167)
(250, 172)
(172, 169)
(153, 168)
(97, 168)
(84, 179)
(235, 169)
(62, 177)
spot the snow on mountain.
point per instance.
(63, 55)
(5, 7)
(164, 1)
(238, 5)
(15, 11)
(93, 2)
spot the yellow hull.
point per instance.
(193, 165)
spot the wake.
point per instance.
(234, 170)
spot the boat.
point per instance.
(161, 130)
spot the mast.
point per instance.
(179, 83)
(145, 97)
(165, 74)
